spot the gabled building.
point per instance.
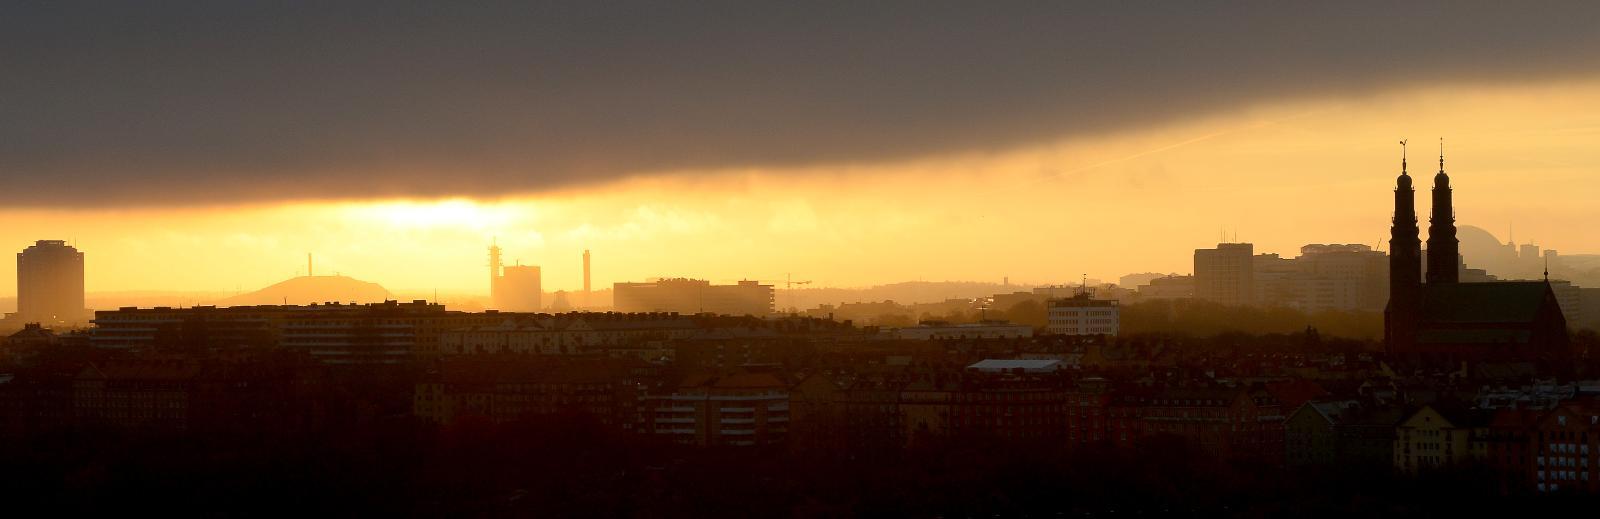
(816, 420)
(136, 395)
(1438, 437)
(505, 388)
(1310, 435)
(1231, 424)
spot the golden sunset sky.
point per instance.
(210, 147)
(1279, 175)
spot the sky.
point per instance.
(210, 147)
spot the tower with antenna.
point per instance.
(586, 288)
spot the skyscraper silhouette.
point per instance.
(50, 283)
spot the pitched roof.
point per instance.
(1457, 415)
(1495, 302)
(1382, 416)
(749, 381)
(1195, 397)
(1022, 364)
(1329, 410)
(1474, 336)
(33, 331)
(141, 370)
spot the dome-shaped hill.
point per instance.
(1481, 249)
(312, 289)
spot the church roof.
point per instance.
(1474, 336)
(1496, 302)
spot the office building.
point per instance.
(1274, 280)
(1082, 315)
(1225, 274)
(694, 296)
(1342, 277)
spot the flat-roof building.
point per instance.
(1083, 315)
(1225, 274)
(694, 296)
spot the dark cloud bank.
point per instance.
(175, 102)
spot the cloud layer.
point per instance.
(215, 102)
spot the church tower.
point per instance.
(1444, 254)
(1405, 264)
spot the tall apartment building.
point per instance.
(742, 409)
(694, 296)
(1225, 274)
(50, 283)
(1323, 277)
(388, 332)
(1344, 277)
(1276, 280)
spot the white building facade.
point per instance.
(1082, 315)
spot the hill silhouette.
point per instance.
(312, 289)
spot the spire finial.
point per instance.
(1441, 154)
(1403, 156)
(1546, 269)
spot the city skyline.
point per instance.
(804, 259)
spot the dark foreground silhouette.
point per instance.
(567, 465)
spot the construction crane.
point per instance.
(788, 285)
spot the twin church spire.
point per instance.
(1405, 250)
(1404, 244)
(1444, 250)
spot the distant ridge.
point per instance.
(312, 289)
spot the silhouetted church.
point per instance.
(1443, 322)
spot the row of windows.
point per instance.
(1564, 475)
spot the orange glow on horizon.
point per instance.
(1281, 176)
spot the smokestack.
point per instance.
(494, 273)
(309, 272)
(586, 278)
